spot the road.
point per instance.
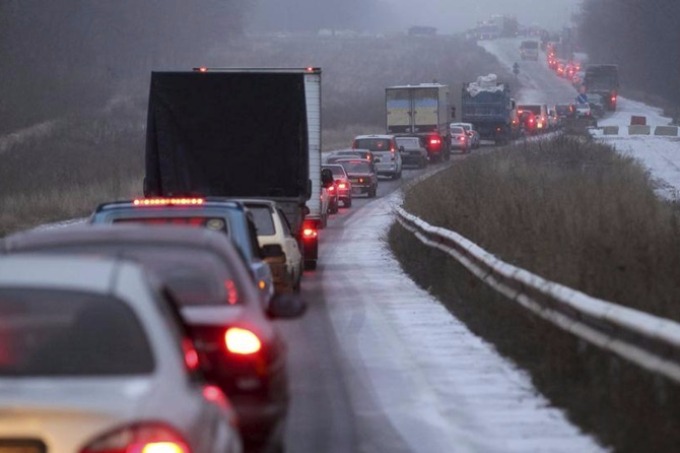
(378, 365)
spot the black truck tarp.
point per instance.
(227, 134)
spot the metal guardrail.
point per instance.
(646, 340)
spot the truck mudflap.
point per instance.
(310, 242)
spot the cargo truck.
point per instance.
(247, 133)
(488, 105)
(422, 110)
(603, 79)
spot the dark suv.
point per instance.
(362, 176)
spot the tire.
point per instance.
(372, 192)
(348, 203)
(335, 208)
(310, 265)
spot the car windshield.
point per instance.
(356, 166)
(373, 144)
(58, 332)
(409, 143)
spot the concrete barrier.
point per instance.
(610, 130)
(667, 131)
(638, 129)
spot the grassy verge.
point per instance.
(578, 213)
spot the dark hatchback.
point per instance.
(362, 175)
(244, 352)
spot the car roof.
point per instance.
(91, 273)
(374, 136)
(106, 233)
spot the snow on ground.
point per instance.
(439, 385)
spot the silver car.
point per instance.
(459, 139)
(94, 358)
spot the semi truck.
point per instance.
(246, 133)
(603, 79)
(422, 110)
(488, 105)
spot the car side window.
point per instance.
(284, 223)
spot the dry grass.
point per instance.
(578, 213)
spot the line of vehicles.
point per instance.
(152, 327)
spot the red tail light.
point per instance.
(190, 355)
(241, 341)
(140, 438)
(342, 185)
(309, 233)
(613, 99)
(232, 292)
(435, 141)
(331, 188)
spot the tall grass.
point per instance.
(578, 213)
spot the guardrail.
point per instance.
(646, 340)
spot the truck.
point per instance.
(488, 105)
(422, 110)
(529, 50)
(603, 79)
(246, 133)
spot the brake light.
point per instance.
(140, 438)
(435, 141)
(190, 355)
(241, 341)
(202, 69)
(168, 201)
(309, 233)
(232, 292)
(331, 188)
(342, 185)
(613, 99)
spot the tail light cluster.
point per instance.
(140, 438)
(241, 341)
(309, 231)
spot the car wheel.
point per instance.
(348, 203)
(310, 265)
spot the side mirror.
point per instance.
(286, 306)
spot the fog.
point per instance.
(448, 16)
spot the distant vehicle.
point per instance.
(527, 121)
(412, 151)
(343, 184)
(386, 152)
(279, 247)
(223, 215)
(472, 133)
(209, 134)
(329, 184)
(583, 111)
(529, 50)
(94, 358)
(603, 79)
(565, 111)
(541, 113)
(217, 298)
(553, 119)
(596, 103)
(362, 175)
(423, 110)
(488, 105)
(460, 139)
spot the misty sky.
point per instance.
(458, 15)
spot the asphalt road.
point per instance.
(331, 410)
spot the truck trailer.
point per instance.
(488, 105)
(246, 133)
(423, 110)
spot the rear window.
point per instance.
(409, 143)
(264, 223)
(457, 130)
(55, 332)
(535, 109)
(212, 223)
(373, 144)
(337, 170)
(196, 276)
(356, 167)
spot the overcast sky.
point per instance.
(451, 16)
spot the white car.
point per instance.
(459, 139)
(94, 359)
(387, 158)
(280, 248)
(475, 139)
